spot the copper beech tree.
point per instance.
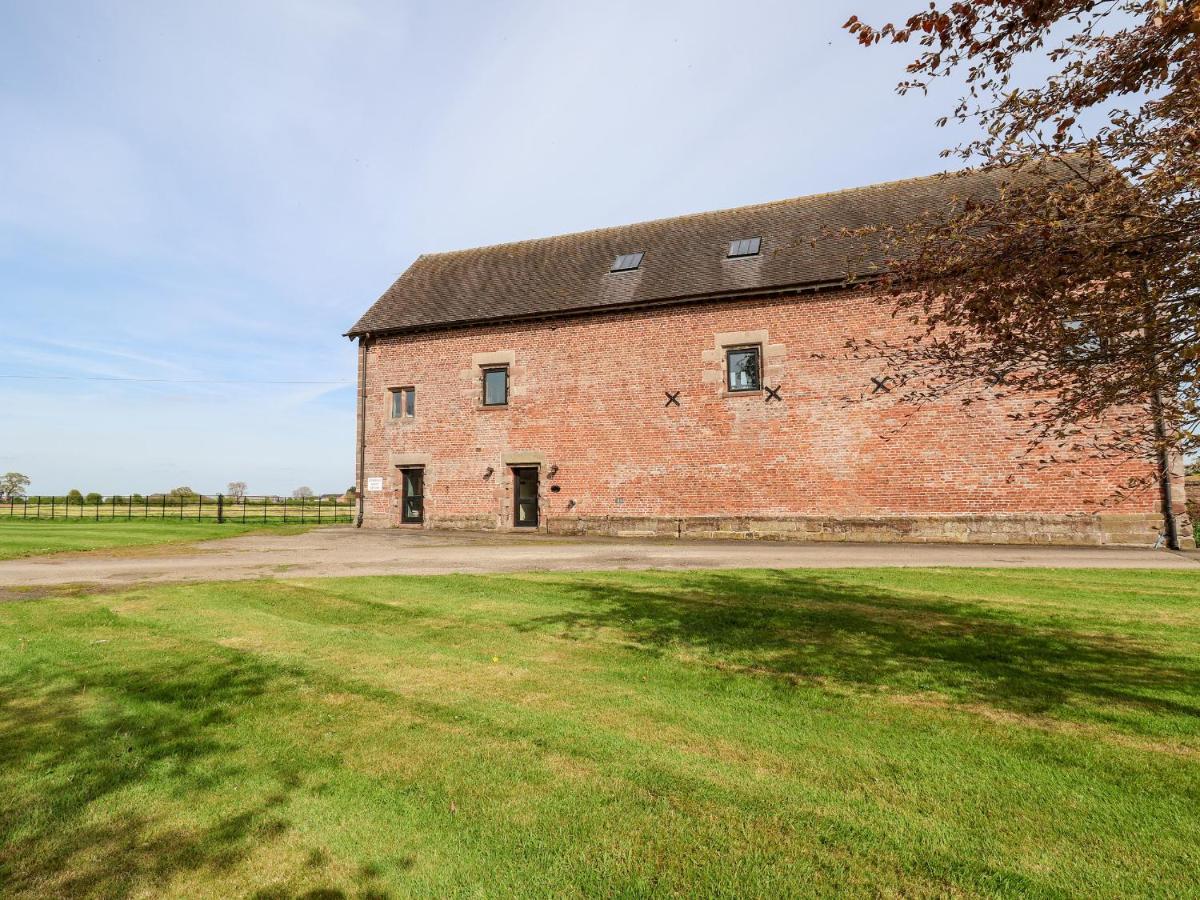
(1076, 279)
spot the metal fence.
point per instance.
(195, 507)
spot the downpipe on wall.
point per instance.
(362, 428)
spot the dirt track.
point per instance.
(347, 551)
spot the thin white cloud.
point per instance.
(107, 350)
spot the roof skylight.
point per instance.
(627, 262)
(744, 247)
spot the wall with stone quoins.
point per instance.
(829, 461)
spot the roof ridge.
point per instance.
(703, 213)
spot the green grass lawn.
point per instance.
(742, 733)
(34, 537)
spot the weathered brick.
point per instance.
(831, 461)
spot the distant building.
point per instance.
(687, 377)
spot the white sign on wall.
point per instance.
(374, 484)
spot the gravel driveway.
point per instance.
(348, 551)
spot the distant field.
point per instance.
(33, 537)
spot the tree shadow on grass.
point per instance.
(65, 749)
(803, 626)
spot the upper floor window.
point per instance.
(495, 386)
(404, 402)
(744, 368)
(1081, 342)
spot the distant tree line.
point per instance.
(14, 485)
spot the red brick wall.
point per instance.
(587, 395)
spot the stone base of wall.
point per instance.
(1094, 530)
(464, 523)
(1141, 530)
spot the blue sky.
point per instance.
(207, 195)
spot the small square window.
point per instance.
(627, 262)
(744, 369)
(495, 387)
(1081, 341)
(404, 402)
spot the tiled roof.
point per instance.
(685, 258)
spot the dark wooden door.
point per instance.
(525, 498)
(412, 500)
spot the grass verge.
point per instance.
(32, 537)
(735, 733)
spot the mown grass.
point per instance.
(736, 733)
(30, 537)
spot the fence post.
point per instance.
(220, 509)
(200, 508)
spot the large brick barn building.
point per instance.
(688, 377)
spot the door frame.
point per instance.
(536, 473)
